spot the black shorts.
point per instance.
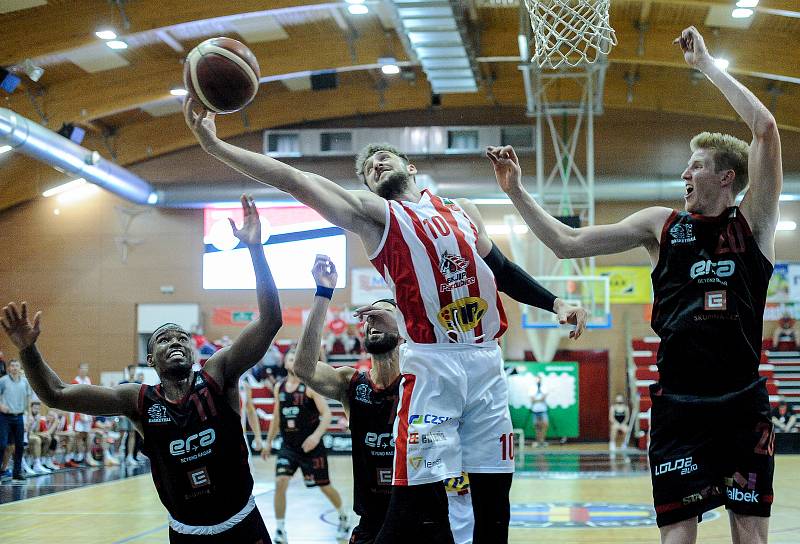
(707, 452)
(313, 464)
(251, 530)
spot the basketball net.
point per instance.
(570, 32)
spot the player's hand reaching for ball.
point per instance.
(573, 315)
(310, 443)
(506, 167)
(695, 52)
(324, 272)
(202, 124)
(250, 233)
(19, 329)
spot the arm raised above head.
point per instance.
(360, 212)
(86, 399)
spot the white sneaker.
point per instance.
(39, 468)
(343, 532)
(129, 460)
(28, 471)
(280, 537)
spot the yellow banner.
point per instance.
(628, 284)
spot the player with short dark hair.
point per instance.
(711, 434)
(190, 421)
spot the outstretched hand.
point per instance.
(695, 52)
(202, 124)
(324, 272)
(379, 318)
(573, 315)
(506, 167)
(250, 233)
(20, 331)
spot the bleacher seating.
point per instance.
(782, 369)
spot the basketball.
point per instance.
(222, 74)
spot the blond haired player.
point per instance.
(711, 435)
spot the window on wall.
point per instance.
(283, 144)
(519, 137)
(462, 140)
(336, 141)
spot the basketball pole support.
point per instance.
(565, 187)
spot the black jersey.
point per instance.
(620, 414)
(299, 416)
(197, 452)
(710, 288)
(372, 413)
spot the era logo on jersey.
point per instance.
(463, 314)
(379, 441)
(454, 270)
(203, 438)
(681, 233)
(715, 300)
(717, 271)
(157, 413)
(199, 478)
(363, 393)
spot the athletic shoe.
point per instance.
(129, 460)
(91, 461)
(39, 468)
(52, 466)
(17, 478)
(280, 537)
(111, 461)
(343, 532)
(27, 471)
(5, 476)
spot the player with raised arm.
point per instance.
(445, 272)
(190, 422)
(711, 435)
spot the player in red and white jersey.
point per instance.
(445, 273)
(82, 423)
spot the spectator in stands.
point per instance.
(2, 365)
(82, 423)
(15, 396)
(273, 374)
(51, 420)
(539, 411)
(619, 415)
(784, 418)
(38, 437)
(129, 442)
(786, 337)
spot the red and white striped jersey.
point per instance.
(445, 292)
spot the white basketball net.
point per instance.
(570, 32)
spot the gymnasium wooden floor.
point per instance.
(550, 488)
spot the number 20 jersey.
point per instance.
(710, 287)
(445, 292)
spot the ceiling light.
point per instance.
(56, 212)
(357, 9)
(58, 189)
(741, 13)
(787, 225)
(746, 3)
(178, 92)
(84, 191)
(106, 34)
(5, 149)
(722, 64)
(784, 197)
(390, 69)
(152, 198)
(117, 44)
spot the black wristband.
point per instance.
(323, 291)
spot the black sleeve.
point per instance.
(516, 283)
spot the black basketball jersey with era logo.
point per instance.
(299, 416)
(372, 413)
(197, 452)
(710, 288)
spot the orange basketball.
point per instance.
(222, 74)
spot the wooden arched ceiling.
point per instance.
(766, 57)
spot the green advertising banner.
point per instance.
(560, 382)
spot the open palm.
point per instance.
(250, 233)
(19, 329)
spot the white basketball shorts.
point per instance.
(452, 414)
